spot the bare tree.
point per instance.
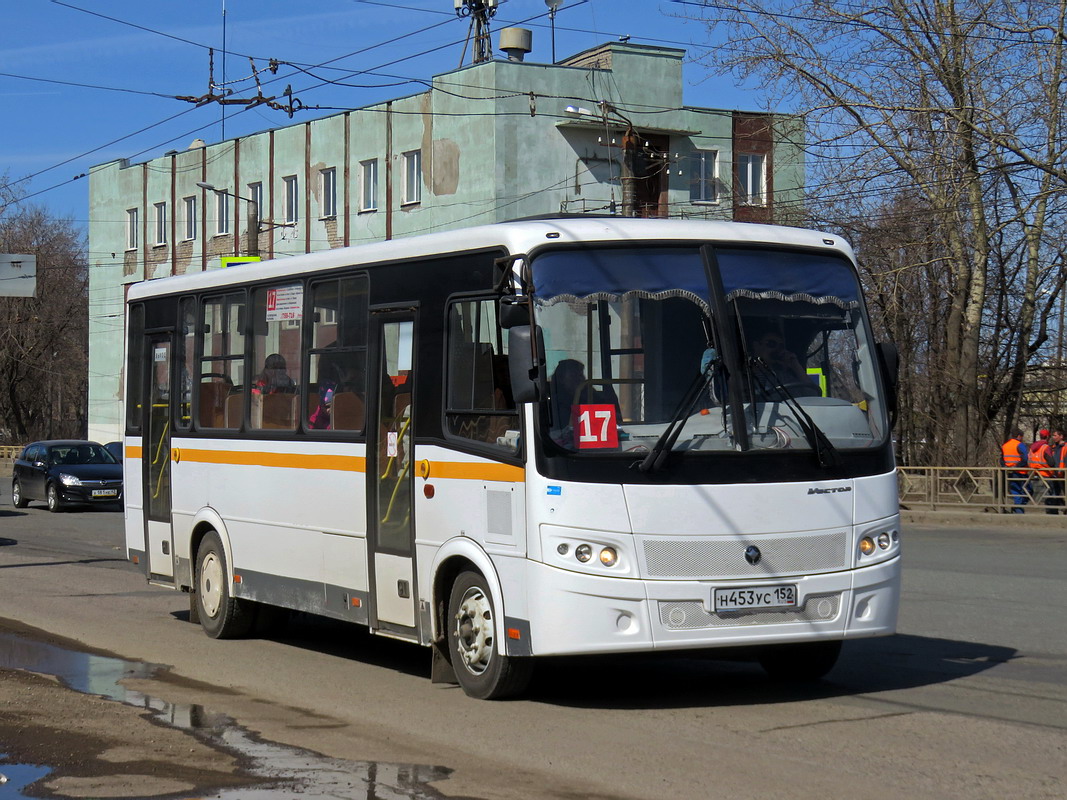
(936, 130)
(43, 339)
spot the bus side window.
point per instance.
(221, 344)
(479, 401)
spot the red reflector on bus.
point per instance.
(135, 559)
(236, 578)
(513, 633)
(356, 602)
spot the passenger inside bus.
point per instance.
(274, 377)
(777, 365)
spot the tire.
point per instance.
(222, 616)
(481, 669)
(800, 663)
(55, 502)
(18, 499)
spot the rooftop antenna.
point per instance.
(553, 6)
(480, 12)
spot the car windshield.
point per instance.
(633, 344)
(79, 454)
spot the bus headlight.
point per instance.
(69, 480)
(884, 541)
(608, 557)
(583, 552)
(866, 545)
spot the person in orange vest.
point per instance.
(1055, 456)
(1039, 474)
(1014, 453)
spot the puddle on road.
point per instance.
(288, 770)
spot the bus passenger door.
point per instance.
(155, 460)
(390, 445)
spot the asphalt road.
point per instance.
(968, 700)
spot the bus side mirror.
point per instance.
(513, 312)
(889, 361)
(524, 363)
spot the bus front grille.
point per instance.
(724, 557)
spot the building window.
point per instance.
(329, 192)
(412, 177)
(751, 179)
(161, 223)
(704, 180)
(292, 198)
(222, 213)
(255, 192)
(133, 227)
(190, 217)
(368, 200)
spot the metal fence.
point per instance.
(976, 488)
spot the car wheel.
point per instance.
(481, 669)
(222, 616)
(18, 499)
(55, 502)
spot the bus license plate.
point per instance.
(784, 596)
(105, 492)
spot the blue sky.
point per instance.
(146, 53)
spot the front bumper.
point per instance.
(572, 613)
(84, 495)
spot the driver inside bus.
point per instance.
(769, 350)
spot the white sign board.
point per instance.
(285, 303)
(18, 275)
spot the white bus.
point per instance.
(541, 437)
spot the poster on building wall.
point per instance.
(285, 303)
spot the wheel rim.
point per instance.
(474, 630)
(16, 493)
(210, 588)
(53, 498)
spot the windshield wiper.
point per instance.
(825, 452)
(657, 456)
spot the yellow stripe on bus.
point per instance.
(455, 470)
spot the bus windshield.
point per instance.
(700, 350)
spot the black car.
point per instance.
(66, 473)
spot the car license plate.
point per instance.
(742, 599)
(105, 492)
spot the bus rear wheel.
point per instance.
(798, 663)
(222, 616)
(481, 669)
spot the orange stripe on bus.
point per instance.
(474, 471)
(455, 470)
(292, 460)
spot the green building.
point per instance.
(605, 131)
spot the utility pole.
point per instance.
(626, 175)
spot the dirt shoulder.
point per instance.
(102, 748)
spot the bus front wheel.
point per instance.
(222, 616)
(481, 669)
(807, 661)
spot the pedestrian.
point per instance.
(1014, 455)
(1037, 486)
(1054, 457)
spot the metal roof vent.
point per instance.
(516, 42)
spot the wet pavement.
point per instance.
(275, 771)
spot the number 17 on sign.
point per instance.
(597, 426)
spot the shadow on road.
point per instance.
(9, 513)
(706, 679)
(680, 679)
(6, 542)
